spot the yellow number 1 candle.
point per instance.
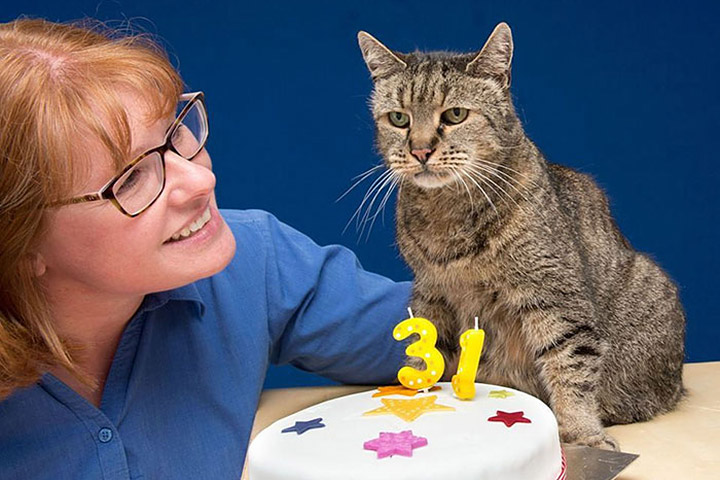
(424, 348)
(471, 343)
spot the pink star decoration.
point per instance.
(509, 418)
(389, 444)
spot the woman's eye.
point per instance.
(399, 119)
(453, 116)
(133, 178)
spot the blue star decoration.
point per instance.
(302, 427)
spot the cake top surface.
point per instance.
(501, 433)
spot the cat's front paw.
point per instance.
(596, 440)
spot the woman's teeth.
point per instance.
(194, 226)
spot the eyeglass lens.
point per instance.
(142, 184)
(190, 134)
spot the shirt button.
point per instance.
(105, 435)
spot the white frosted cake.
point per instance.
(500, 434)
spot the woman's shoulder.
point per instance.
(246, 224)
(235, 217)
(251, 222)
(258, 235)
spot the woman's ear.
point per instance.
(38, 264)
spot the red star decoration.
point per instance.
(509, 418)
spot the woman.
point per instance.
(137, 321)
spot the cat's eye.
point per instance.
(453, 116)
(399, 119)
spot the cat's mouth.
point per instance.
(427, 178)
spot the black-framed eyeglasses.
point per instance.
(142, 181)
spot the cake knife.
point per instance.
(588, 463)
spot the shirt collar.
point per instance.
(186, 293)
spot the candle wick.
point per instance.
(410, 312)
(476, 323)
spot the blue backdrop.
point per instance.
(626, 91)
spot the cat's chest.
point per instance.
(507, 358)
(428, 237)
(477, 281)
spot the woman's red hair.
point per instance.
(60, 87)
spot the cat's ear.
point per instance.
(495, 57)
(379, 59)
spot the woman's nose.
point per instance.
(188, 179)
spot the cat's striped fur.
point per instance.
(572, 313)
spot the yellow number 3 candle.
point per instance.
(424, 348)
(471, 343)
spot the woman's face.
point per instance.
(93, 248)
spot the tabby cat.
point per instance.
(572, 313)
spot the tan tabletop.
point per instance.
(682, 444)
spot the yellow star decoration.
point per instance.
(408, 410)
(400, 390)
(500, 394)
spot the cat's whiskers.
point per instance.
(488, 166)
(459, 155)
(472, 179)
(459, 178)
(487, 181)
(387, 197)
(494, 172)
(532, 210)
(499, 165)
(391, 180)
(381, 207)
(376, 183)
(454, 175)
(364, 175)
(461, 159)
(485, 165)
(528, 193)
(491, 184)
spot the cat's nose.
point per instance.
(422, 154)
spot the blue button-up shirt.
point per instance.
(185, 381)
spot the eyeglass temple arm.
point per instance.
(91, 197)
